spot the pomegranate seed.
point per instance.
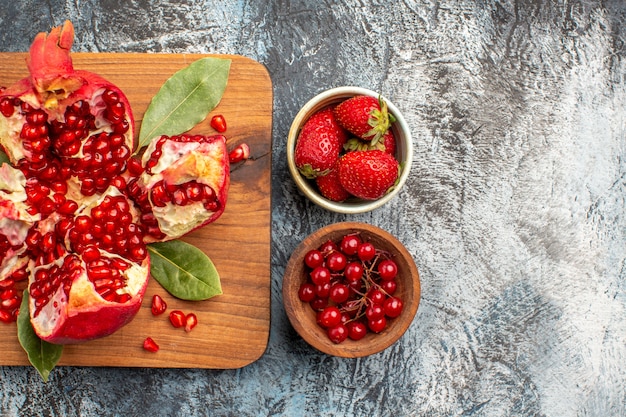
(68, 207)
(134, 166)
(121, 127)
(193, 191)
(240, 153)
(110, 97)
(191, 321)
(7, 283)
(158, 305)
(6, 316)
(179, 198)
(6, 106)
(37, 117)
(177, 318)
(91, 253)
(150, 345)
(218, 122)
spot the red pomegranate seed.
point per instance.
(150, 345)
(240, 153)
(6, 107)
(177, 318)
(158, 305)
(191, 321)
(218, 122)
(134, 166)
(7, 283)
(6, 316)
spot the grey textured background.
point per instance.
(514, 210)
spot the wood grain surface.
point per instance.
(233, 328)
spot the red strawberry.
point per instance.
(364, 116)
(319, 143)
(368, 174)
(330, 187)
(389, 142)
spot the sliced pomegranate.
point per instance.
(77, 210)
(65, 220)
(183, 184)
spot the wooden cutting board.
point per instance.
(233, 328)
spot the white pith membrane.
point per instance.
(181, 162)
(15, 221)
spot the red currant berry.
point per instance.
(306, 292)
(393, 307)
(323, 290)
(366, 251)
(356, 330)
(328, 247)
(387, 269)
(377, 325)
(356, 286)
(329, 317)
(346, 317)
(354, 271)
(338, 333)
(374, 311)
(376, 296)
(339, 293)
(313, 258)
(336, 261)
(320, 275)
(319, 304)
(389, 286)
(350, 244)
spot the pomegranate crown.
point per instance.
(50, 64)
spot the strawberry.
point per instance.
(365, 117)
(368, 174)
(330, 186)
(319, 143)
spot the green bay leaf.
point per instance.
(42, 355)
(185, 99)
(184, 270)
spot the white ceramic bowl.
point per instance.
(404, 150)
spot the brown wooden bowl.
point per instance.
(303, 317)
